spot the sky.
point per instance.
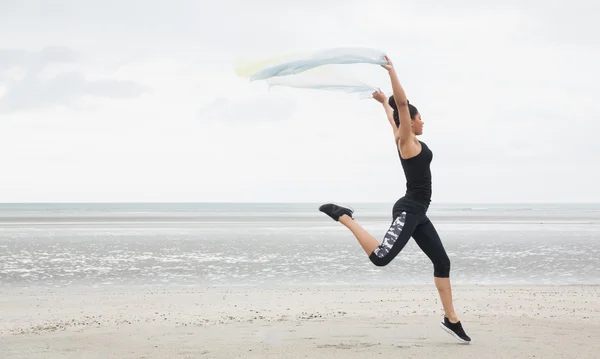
(139, 101)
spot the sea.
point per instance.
(287, 244)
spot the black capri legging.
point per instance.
(418, 226)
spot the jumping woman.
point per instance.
(409, 212)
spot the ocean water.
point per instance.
(229, 244)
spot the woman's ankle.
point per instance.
(452, 317)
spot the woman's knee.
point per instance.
(380, 261)
(441, 268)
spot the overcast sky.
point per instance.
(139, 101)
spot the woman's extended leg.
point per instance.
(429, 241)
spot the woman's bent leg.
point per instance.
(396, 237)
(365, 239)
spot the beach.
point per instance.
(150, 281)
(298, 322)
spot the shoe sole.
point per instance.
(449, 331)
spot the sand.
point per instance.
(301, 322)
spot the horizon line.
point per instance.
(289, 202)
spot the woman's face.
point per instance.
(417, 125)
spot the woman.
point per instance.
(409, 212)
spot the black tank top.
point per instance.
(418, 175)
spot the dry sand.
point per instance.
(327, 322)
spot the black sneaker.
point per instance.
(336, 211)
(456, 330)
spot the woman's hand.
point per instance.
(380, 96)
(389, 66)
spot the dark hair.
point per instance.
(412, 109)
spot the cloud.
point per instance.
(35, 61)
(38, 85)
